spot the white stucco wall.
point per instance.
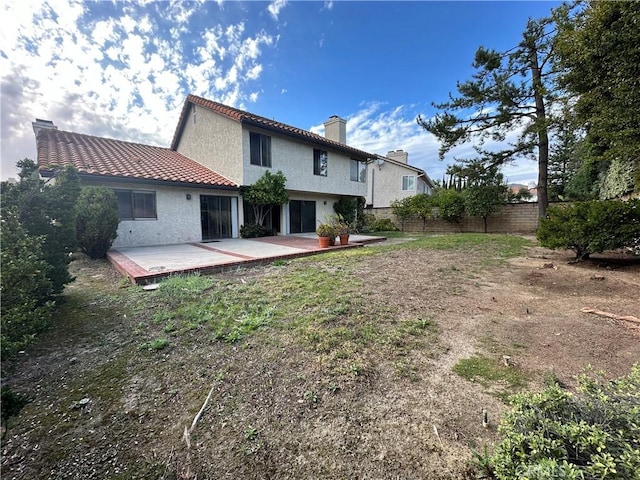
(213, 141)
(384, 185)
(178, 218)
(295, 159)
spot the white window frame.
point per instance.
(408, 183)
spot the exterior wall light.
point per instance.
(188, 196)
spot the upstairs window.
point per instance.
(260, 149)
(320, 163)
(136, 205)
(358, 171)
(409, 182)
(193, 113)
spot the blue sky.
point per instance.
(123, 69)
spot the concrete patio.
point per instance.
(144, 265)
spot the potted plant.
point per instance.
(326, 234)
(343, 228)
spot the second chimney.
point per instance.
(399, 156)
(336, 129)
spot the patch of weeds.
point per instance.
(251, 433)
(333, 388)
(155, 344)
(406, 369)
(161, 316)
(355, 369)
(311, 396)
(491, 374)
(280, 263)
(169, 327)
(140, 328)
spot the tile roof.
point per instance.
(105, 157)
(262, 122)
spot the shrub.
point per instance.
(26, 289)
(253, 230)
(594, 433)
(383, 225)
(591, 227)
(403, 210)
(450, 204)
(96, 220)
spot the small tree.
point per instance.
(422, 206)
(485, 192)
(268, 191)
(403, 210)
(450, 204)
(96, 220)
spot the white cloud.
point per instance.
(275, 7)
(122, 75)
(328, 5)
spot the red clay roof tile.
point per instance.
(115, 158)
(258, 121)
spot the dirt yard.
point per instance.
(282, 406)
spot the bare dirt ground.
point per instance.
(276, 411)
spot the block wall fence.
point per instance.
(512, 218)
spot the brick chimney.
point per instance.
(399, 156)
(41, 125)
(336, 129)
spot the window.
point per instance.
(408, 182)
(260, 149)
(193, 113)
(320, 163)
(136, 205)
(358, 171)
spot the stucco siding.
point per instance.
(385, 184)
(178, 219)
(295, 160)
(213, 141)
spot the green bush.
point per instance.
(26, 289)
(450, 204)
(593, 433)
(253, 230)
(96, 220)
(591, 227)
(383, 225)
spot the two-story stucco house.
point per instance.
(241, 146)
(392, 178)
(191, 192)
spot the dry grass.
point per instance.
(335, 366)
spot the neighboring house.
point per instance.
(190, 192)
(392, 178)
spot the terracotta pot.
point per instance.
(344, 239)
(324, 241)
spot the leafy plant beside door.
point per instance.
(268, 191)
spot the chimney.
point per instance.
(399, 156)
(336, 129)
(41, 125)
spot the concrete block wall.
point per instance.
(512, 218)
